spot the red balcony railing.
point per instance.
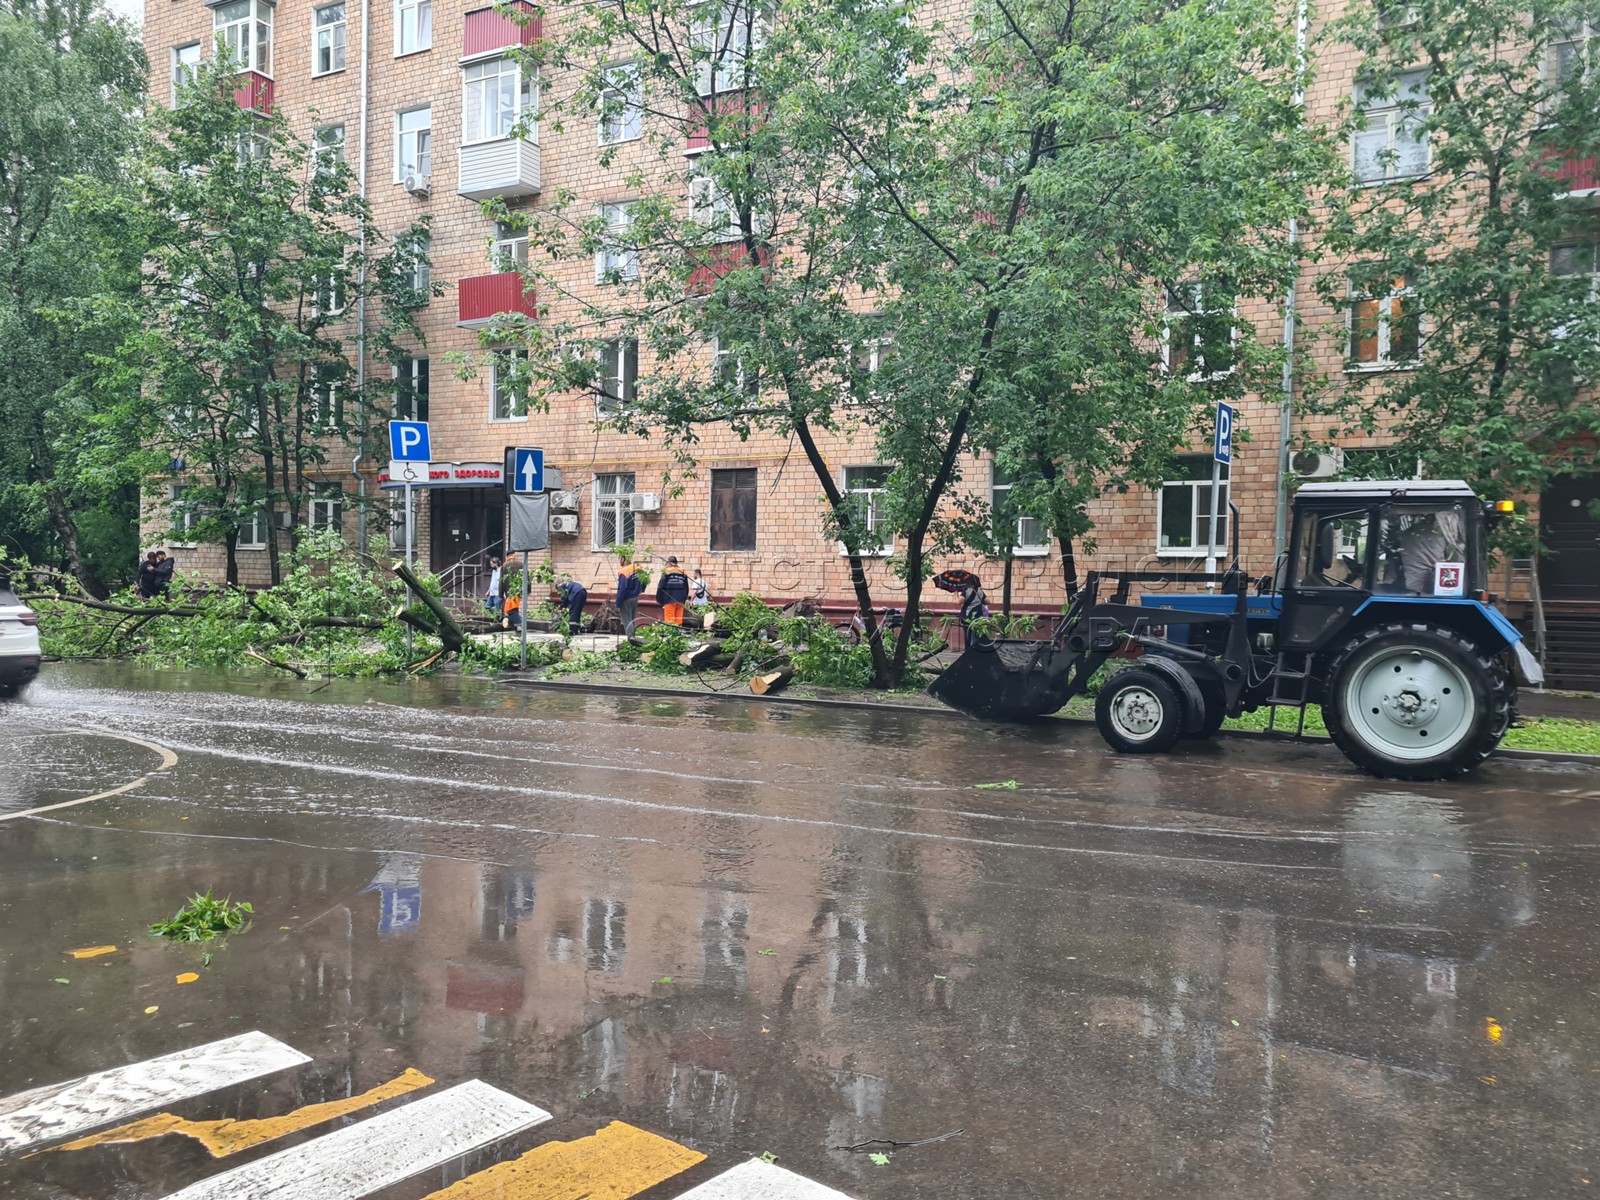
(483, 297)
(718, 261)
(486, 30)
(726, 105)
(254, 92)
(1578, 174)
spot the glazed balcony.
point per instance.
(504, 167)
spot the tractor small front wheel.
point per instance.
(1139, 712)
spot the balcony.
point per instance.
(482, 298)
(1580, 175)
(488, 30)
(254, 93)
(504, 167)
(716, 262)
(726, 105)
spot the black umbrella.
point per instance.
(956, 580)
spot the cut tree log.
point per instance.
(449, 631)
(701, 654)
(772, 681)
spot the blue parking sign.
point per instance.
(1222, 447)
(408, 441)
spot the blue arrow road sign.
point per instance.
(1222, 448)
(408, 441)
(528, 472)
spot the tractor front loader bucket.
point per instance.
(1007, 680)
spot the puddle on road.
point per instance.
(1224, 974)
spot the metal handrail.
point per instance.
(453, 577)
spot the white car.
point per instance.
(19, 644)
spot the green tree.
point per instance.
(1468, 270)
(71, 77)
(931, 238)
(258, 262)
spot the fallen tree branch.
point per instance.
(272, 662)
(449, 631)
(863, 1147)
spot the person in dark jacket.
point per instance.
(629, 587)
(148, 575)
(572, 596)
(672, 593)
(164, 568)
(974, 604)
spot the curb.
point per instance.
(622, 689)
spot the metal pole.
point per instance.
(1280, 540)
(1211, 530)
(524, 610)
(408, 554)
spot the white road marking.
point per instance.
(106, 1097)
(756, 1180)
(363, 1158)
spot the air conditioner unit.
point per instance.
(564, 524)
(1317, 464)
(419, 185)
(644, 502)
(282, 520)
(567, 499)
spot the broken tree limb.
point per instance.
(272, 662)
(449, 631)
(417, 621)
(772, 681)
(700, 654)
(738, 661)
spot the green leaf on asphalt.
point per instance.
(881, 1159)
(61, 981)
(1009, 785)
(768, 1157)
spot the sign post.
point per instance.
(1221, 456)
(412, 454)
(525, 484)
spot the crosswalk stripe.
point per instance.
(617, 1162)
(227, 1136)
(757, 1180)
(363, 1158)
(63, 1109)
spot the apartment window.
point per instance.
(1183, 507)
(1568, 58)
(244, 32)
(413, 143)
(411, 390)
(733, 509)
(712, 205)
(1029, 535)
(413, 26)
(183, 514)
(613, 522)
(253, 531)
(724, 38)
(621, 106)
(616, 385)
(328, 299)
(1199, 330)
(616, 260)
(416, 272)
(327, 507)
(185, 67)
(870, 483)
(327, 38)
(495, 94)
(327, 400)
(1392, 142)
(508, 385)
(1577, 257)
(728, 371)
(327, 148)
(509, 251)
(1385, 330)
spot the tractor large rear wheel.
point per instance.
(1415, 702)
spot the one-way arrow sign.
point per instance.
(527, 470)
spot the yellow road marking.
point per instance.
(168, 760)
(223, 1138)
(92, 951)
(613, 1164)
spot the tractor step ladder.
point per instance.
(1291, 686)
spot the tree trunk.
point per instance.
(700, 654)
(772, 681)
(62, 521)
(449, 632)
(231, 546)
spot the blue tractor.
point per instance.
(1379, 612)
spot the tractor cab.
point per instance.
(1356, 544)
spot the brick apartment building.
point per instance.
(401, 87)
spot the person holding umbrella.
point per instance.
(969, 587)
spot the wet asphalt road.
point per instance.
(1242, 970)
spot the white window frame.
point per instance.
(615, 256)
(509, 250)
(181, 516)
(420, 277)
(1582, 38)
(614, 501)
(1386, 121)
(246, 39)
(723, 37)
(485, 75)
(1589, 246)
(330, 36)
(1385, 332)
(329, 299)
(327, 147)
(419, 157)
(617, 378)
(1178, 311)
(999, 489)
(744, 384)
(184, 71)
(1199, 512)
(495, 405)
(327, 399)
(874, 516)
(326, 508)
(252, 531)
(417, 16)
(711, 205)
(411, 369)
(621, 102)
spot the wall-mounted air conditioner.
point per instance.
(645, 502)
(1317, 464)
(567, 500)
(564, 524)
(419, 185)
